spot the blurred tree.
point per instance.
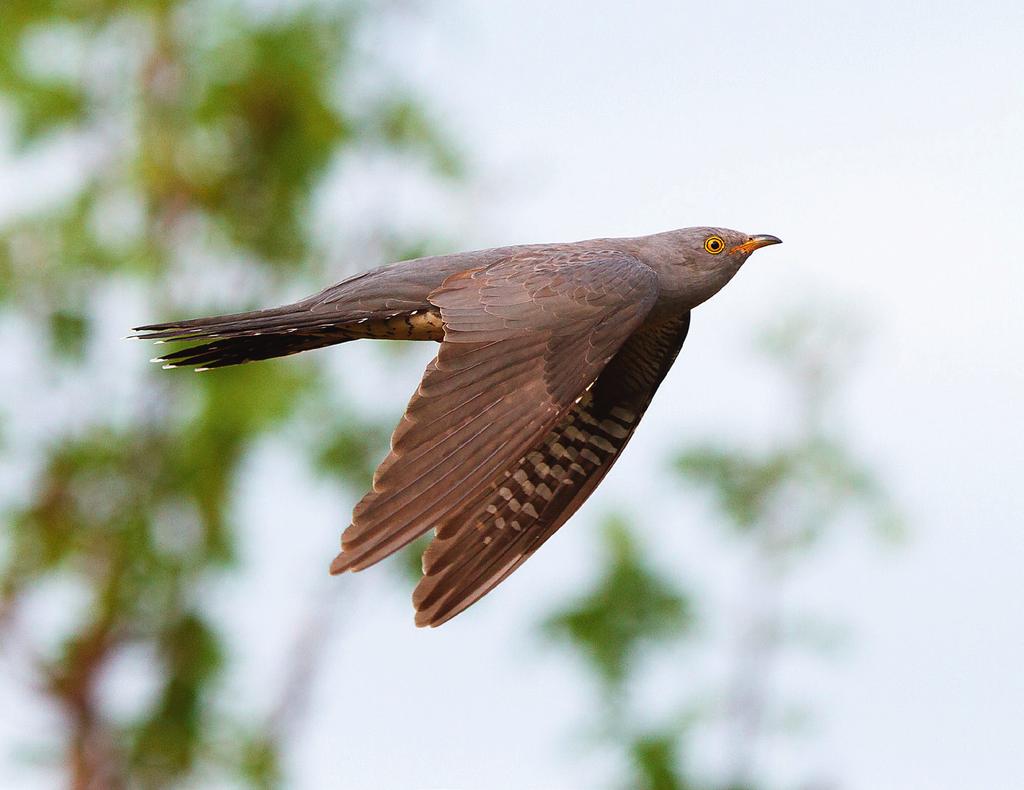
(780, 503)
(631, 607)
(195, 135)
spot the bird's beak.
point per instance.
(756, 243)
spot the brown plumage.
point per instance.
(549, 356)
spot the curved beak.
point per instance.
(756, 243)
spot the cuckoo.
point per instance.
(549, 355)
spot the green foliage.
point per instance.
(165, 743)
(402, 121)
(655, 760)
(68, 333)
(206, 128)
(262, 126)
(260, 763)
(750, 488)
(350, 450)
(630, 608)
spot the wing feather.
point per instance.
(536, 495)
(518, 350)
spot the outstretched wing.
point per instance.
(538, 493)
(523, 338)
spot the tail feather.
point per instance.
(290, 318)
(280, 331)
(236, 350)
(247, 337)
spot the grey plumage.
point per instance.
(549, 357)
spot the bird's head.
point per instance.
(715, 242)
(702, 260)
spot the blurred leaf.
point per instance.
(655, 760)
(742, 485)
(630, 607)
(261, 765)
(68, 333)
(403, 123)
(351, 450)
(280, 128)
(44, 107)
(165, 745)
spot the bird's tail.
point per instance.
(246, 337)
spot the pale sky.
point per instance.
(882, 143)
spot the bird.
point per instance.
(549, 356)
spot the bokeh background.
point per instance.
(804, 573)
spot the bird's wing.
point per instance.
(523, 338)
(539, 492)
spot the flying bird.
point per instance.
(549, 355)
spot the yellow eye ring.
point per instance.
(714, 244)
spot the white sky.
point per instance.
(882, 142)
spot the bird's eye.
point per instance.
(714, 244)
